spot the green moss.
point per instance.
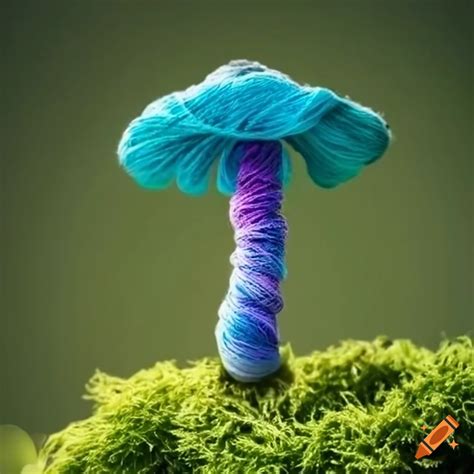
(356, 407)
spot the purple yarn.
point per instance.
(247, 331)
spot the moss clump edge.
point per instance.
(356, 407)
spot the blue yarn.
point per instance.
(180, 136)
(238, 116)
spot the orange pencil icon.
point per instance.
(436, 437)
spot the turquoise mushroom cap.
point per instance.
(180, 136)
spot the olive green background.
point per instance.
(97, 273)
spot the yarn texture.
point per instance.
(247, 332)
(239, 116)
(181, 135)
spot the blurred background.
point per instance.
(97, 273)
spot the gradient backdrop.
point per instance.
(97, 273)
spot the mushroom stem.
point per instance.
(247, 332)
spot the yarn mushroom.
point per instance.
(240, 116)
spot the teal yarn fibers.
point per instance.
(181, 135)
(238, 116)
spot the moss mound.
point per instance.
(356, 407)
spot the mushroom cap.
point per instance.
(180, 136)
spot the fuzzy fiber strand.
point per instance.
(247, 332)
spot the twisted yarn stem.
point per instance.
(247, 331)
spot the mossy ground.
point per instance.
(356, 407)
